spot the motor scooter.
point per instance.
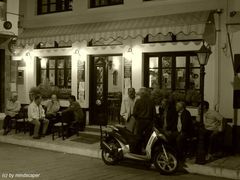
(116, 145)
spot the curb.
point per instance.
(53, 147)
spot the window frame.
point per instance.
(173, 55)
(56, 69)
(58, 4)
(108, 3)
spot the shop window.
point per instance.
(56, 70)
(53, 6)
(173, 71)
(101, 3)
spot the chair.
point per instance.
(61, 129)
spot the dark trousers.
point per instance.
(213, 141)
(179, 140)
(143, 132)
(7, 122)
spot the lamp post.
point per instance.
(203, 56)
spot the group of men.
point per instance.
(140, 113)
(45, 116)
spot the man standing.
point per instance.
(213, 123)
(36, 115)
(144, 112)
(12, 108)
(127, 107)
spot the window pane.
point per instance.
(53, 7)
(44, 1)
(69, 77)
(167, 78)
(180, 78)
(43, 75)
(194, 61)
(181, 61)
(166, 62)
(51, 63)
(44, 9)
(153, 78)
(60, 77)
(52, 77)
(195, 78)
(60, 63)
(153, 62)
(68, 62)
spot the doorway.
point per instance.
(2, 79)
(105, 89)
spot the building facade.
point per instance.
(9, 18)
(96, 49)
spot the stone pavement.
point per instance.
(228, 167)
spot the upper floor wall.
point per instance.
(9, 11)
(82, 13)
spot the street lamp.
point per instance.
(203, 56)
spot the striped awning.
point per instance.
(186, 23)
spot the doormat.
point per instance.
(87, 138)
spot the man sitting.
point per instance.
(12, 109)
(52, 107)
(73, 115)
(36, 116)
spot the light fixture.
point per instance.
(203, 54)
(43, 63)
(129, 54)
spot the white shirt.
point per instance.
(179, 124)
(35, 111)
(127, 107)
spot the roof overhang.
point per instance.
(186, 23)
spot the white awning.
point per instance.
(186, 23)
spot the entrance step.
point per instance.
(94, 128)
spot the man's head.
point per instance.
(71, 98)
(143, 92)
(131, 93)
(14, 97)
(38, 99)
(180, 106)
(205, 106)
(164, 102)
(54, 97)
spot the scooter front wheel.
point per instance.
(165, 161)
(110, 158)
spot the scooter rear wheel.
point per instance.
(111, 158)
(165, 163)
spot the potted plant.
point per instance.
(193, 97)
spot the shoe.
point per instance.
(6, 132)
(36, 137)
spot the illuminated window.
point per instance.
(56, 69)
(173, 70)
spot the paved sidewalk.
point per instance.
(228, 167)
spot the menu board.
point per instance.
(81, 80)
(127, 69)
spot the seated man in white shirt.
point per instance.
(12, 109)
(213, 123)
(36, 116)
